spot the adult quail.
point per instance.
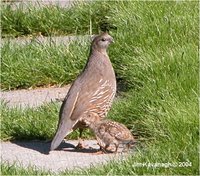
(110, 132)
(91, 93)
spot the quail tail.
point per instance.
(62, 131)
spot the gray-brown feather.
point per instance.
(91, 93)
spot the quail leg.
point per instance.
(80, 141)
(101, 149)
(129, 146)
(125, 148)
(106, 148)
(99, 142)
(116, 147)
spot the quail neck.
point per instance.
(99, 58)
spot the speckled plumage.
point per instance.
(110, 132)
(92, 92)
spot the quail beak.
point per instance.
(111, 40)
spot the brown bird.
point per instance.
(110, 132)
(91, 94)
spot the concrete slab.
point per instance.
(57, 40)
(33, 98)
(25, 5)
(36, 154)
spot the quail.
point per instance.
(110, 132)
(91, 94)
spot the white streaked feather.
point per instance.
(104, 84)
(100, 80)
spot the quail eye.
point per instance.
(103, 39)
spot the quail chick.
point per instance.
(110, 132)
(92, 93)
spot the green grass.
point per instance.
(159, 34)
(28, 124)
(7, 169)
(49, 65)
(167, 133)
(53, 20)
(155, 57)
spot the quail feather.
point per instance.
(92, 93)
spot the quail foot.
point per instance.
(92, 93)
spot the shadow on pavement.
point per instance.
(85, 150)
(41, 146)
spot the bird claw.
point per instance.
(80, 146)
(104, 150)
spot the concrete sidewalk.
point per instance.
(36, 154)
(25, 5)
(33, 98)
(56, 40)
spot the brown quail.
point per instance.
(110, 132)
(91, 94)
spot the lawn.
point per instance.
(155, 57)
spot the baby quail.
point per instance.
(110, 132)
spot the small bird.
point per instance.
(110, 132)
(91, 94)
